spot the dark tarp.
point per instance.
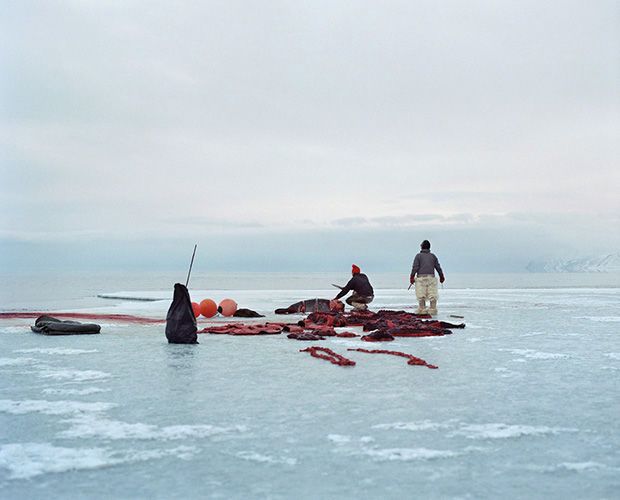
(48, 325)
(180, 321)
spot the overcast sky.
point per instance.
(302, 135)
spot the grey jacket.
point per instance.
(425, 263)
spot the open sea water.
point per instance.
(525, 403)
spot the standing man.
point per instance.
(362, 290)
(424, 266)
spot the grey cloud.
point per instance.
(403, 220)
(204, 221)
(131, 119)
(350, 221)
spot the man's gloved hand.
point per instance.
(442, 279)
(412, 279)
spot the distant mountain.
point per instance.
(609, 263)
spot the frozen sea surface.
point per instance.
(525, 404)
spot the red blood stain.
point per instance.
(127, 318)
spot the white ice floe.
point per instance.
(425, 425)
(612, 355)
(531, 354)
(532, 334)
(75, 392)
(546, 355)
(26, 460)
(253, 456)
(52, 407)
(17, 361)
(92, 426)
(182, 452)
(570, 467)
(74, 375)
(339, 438)
(407, 454)
(56, 350)
(505, 431)
(579, 466)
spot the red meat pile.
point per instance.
(247, 329)
(383, 326)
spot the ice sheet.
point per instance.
(525, 401)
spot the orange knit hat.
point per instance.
(355, 269)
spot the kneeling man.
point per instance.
(362, 295)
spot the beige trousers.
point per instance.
(426, 287)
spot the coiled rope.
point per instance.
(328, 355)
(412, 359)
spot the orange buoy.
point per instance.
(196, 308)
(208, 308)
(228, 307)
